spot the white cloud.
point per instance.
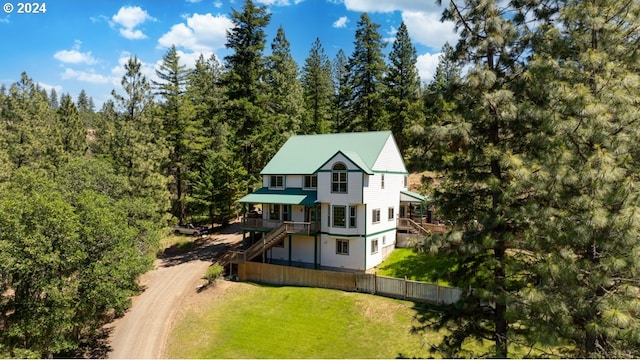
(426, 29)
(201, 33)
(117, 72)
(85, 76)
(279, 2)
(427, 64)
(421, 17)
(341, 22)
(48, 87)
(74, 56)
(392, 5)
(130, 17)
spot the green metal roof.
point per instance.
(305, 154)
(289, 196)
(411, 196)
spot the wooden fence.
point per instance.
(347, 281)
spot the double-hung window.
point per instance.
(339, 216)
(353, 212)
(339, 178)
(375, 216)
(311, 181)
(342, 247)
(276, 182)
(374, 246)
(391, 213)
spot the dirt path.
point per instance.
(143, 331)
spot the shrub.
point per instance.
(213, 273)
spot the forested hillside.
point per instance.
(530, 125)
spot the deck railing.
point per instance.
(292, 227)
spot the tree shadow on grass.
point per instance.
(421, 267)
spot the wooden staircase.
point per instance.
(268, 241)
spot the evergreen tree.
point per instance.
(341, 116)
(53, 99)
(284, 96)
(486, 151)
(585, 72)
(318, 91)
(244, 83)
(178, 125)
(402, 84)
(137, 151)
(73, 134)
(366, 81)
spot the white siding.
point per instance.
(374, 260)
(301, 249)
(354, 183)
(355, 259)
(383, 199)
(390, 158)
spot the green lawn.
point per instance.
(414, 266)
(253, 321)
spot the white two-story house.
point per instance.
(328, 201)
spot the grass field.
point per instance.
(252, 321)
(419, 267)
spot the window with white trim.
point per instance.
(353, 213)
(339, 178)
(311, 181)
(374, 246)
(342, 247)
(339, 216)
(391, 212)
(375, 216)
(381, 181)
(276, 181)
(384, 240)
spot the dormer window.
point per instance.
(339, 178)
(311, 181)
(276, 182)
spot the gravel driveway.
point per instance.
(143, 331)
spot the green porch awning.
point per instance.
(286, 196)
(410, 196)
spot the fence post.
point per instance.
(375, 283)
(405, 288)
(437, 292)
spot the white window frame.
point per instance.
(276, 177)
(313, 181)
(375, 216)
(374, 246)
(342, 247)
(336, 182)
(391, 213)
(381, 181)
(353, 215)
(333, 216)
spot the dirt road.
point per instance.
(143, 331)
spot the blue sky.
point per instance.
(79, 44)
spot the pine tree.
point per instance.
(284, 97)
(402, 84)
(244, 83)
(73, 132)
(137, 151)
(366, 81)
(486, 152)
(178, 126)
(341, 116)
(586, 72)
(318, 91)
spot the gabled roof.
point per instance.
(305, 154)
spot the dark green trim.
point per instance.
(381, 232)
(342, 235)
(390, 172)
(352, 170)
